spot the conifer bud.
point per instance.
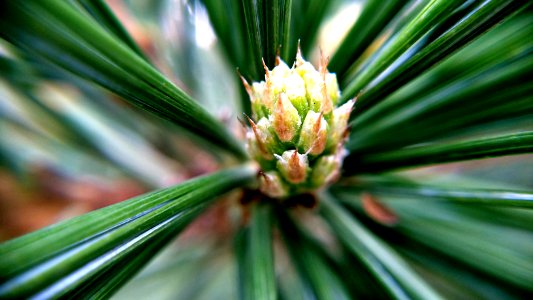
(296, 134)
(293, 166)
(285, 119)
(339, 123)
(271, 184)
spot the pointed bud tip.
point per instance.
(258, 139)
(247, 86)
(267, 72)
(286, 120)
(324, 61)
(271, 185)
(293, 166)
(318, 122)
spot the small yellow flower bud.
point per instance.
(267, 133)
(296, 93)
(293, 166)
(313, 135)
(258, 107)
(339, 123)
(253, 147)
(271, 185)
(324, 170)
(314, 86)
(285, 119)
(264, 140)
(332, 88)
(277, 76)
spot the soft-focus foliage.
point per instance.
(101, 101)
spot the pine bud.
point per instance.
(296, 92)
(258, 107)
(327, 168)
(286, 120)
(293, 166)
(272, 185)
(339, 123)
(296, 134)
(313, 134)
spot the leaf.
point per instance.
(23, 148)
(65, 256)
(101, 12)
(448, 109)
(89, 273)
(484, 54)
(15, 72)
(292, 286)
(476, 240)
(374, 18)
(310, 262)
(252, 15)
(304, 30)
(455, 282)
(426, 192)
(73, 41)
(475, 23)
(500, 260)
(276, 23)
(414, 30)
(267, 23)
(510, 144)
(227, 19)
(258, 279)
(114, 141)
(116, 277)
(369, 248)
